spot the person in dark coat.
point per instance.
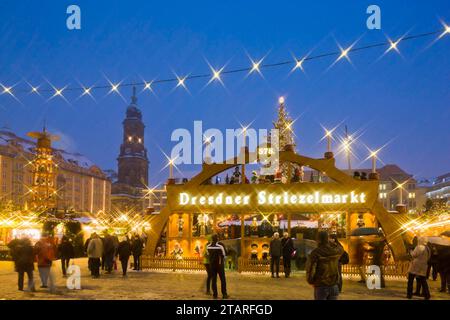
(432, 264)
(66, 252)
(275, 254)
(108, 252)
(287, 246)
(124, 253)
(137, 246)
(23, 257)
(217, 256)
(443, 266)
(344, 259)
(322, 268)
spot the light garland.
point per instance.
(217, 74)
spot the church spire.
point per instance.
(133, 97)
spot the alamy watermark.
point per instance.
(212, 146)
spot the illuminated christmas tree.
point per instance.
(284, 123)
(44, 173)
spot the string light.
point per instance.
(114, 88)
(446, 30)
(299, 64)
(256, 65)
(7, 90)
(181, 82)
(148, 86)
(393, 45)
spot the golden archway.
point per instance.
(391, 223)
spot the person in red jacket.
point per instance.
(45, 252)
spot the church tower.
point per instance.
(132, 160)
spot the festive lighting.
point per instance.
(329, 136)
(34, 89)
(87, 91)
(216, 75)
(393, 45)
(182, 82)
(344, 53)
(256, 65)
(148, 86)
(7, 90)
(446, 30)
(114, 88)
(299, 64)
(281, 100)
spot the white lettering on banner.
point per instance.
(265, 198)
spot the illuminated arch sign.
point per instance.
(326, 196)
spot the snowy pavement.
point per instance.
(184, 285)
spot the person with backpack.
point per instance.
(45, 252)
(418, 268)
(217, 255)
(322, 270)
(95, 252)
(287, 246)
(66, 252)
(21, 251)
(344, 259)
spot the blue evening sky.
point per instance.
(402, 99)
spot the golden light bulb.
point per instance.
(181, 82)
(255, 66)
(299, 64)
(281, 100)
(115, 87)
(148, 86)
(58, 92)
(7, 90)
(87, 91)
(216, 74)
(344, 53)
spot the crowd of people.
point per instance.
(104, 252)
(323, 265)
(101, 252)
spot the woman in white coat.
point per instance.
(418, 268)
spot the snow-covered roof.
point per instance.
(8, 138)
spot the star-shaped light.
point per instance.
(446, 30)
(7, 90)
(181, 82)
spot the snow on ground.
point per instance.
(184, 285)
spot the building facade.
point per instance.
(81, 186)
(397, 187)
(439, 190)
